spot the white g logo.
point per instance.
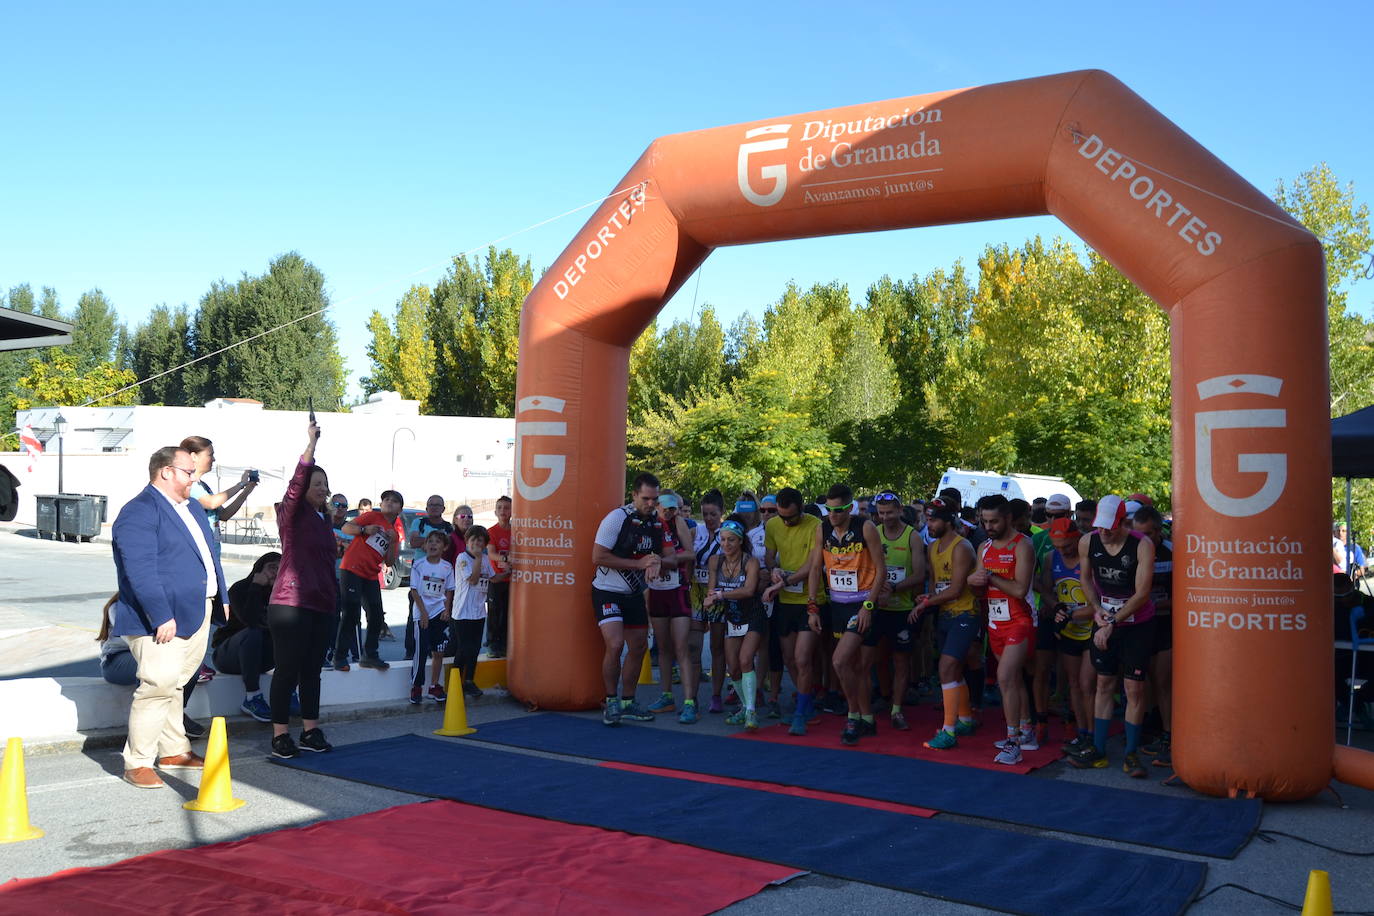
(778, 173)
(556, 465)
(1273, 465)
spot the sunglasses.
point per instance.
(840, 510)
(887, 496)
(768, 511)
(339, 505)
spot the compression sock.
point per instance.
(1132, 737)
(896, 709)
(975, 682)
(953, 701)
(1100, 728)
(747, 687)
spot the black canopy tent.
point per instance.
(1352, 455)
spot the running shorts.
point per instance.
(1011, 633)
(620, 607)
(670, 602)
(956, 634)
(1128, 651)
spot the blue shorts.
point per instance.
(956, 634)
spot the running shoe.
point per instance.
(1078, 745)
(1010, 754)
(942, 741)
(1028, 741)
(715, 705)
(774, 709)
(664, 703)
(1164, 758)
(1132, 768)
(634, 712)
(340, 663)
(868, 729)
(472, 691)
(735, 718)
(313, 740)
(437, 694)
(1155, 747)
(963, 729)
(853, 731)
(193, 729)
(372, 661)
(284, 747)
(899, 721)
(798, 727)
(610, 712)
(416, 695)
(1090, 758)
(257, 708)
(688, 716)
(1002, 743)
(386, 634)
(205, 675)
(751, 721)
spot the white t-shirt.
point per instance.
(470, 601)
(431, 581)
(756, 544)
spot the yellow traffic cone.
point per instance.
(14, 799)
(216, 788)
(455, 710)
(646, 671)
(1318, 899)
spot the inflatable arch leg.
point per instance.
(1242, 281)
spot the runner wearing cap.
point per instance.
(732, 584)
(1046, 632)
(959, 627)
(1150, 523)
(1004, 573)
(904, 559)
(670, 613)
(1071, 618)
(768, 509)
(850, 553)
(788, 537)
(1118, 570)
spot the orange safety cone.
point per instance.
(216, 787)
(1318, 899)
(646, 671)
(14, 799)
(455, 710)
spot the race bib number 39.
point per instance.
(844, 580)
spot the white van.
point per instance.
(973, 485)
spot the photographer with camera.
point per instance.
(219, 507)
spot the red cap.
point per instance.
(1062, 528)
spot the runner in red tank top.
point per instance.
(1006, 566)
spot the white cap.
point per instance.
(1111, 512)
(1058, 503)
(1132, 507)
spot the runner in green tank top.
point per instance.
(905, 569)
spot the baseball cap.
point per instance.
(1140, 498)
(769, 500)
(668, 501)
(1111, 512)
(1132, 507)
(1062, 528)
(1058, 503)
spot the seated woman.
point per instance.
(243, 646)
(117, 666)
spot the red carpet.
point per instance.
(925, 720)
(431, 857)
(794, 791)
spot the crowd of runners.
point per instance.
(870, 602)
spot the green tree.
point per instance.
(402, 355)
(298, 361)
(95, 330)
(161, 344)
(61, 381)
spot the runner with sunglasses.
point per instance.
(788, 537)
(850, 553)
(732, 585)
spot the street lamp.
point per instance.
(60, 424)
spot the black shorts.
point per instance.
(1046, 632)
(1128, 651)
(789, 619)
(1068, 646)
(626, 608)
(433, 637)
(957, 634)
(1164, 632)
(841, 613)
(890, 625)
(747, 617)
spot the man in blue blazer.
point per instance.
(169, 578)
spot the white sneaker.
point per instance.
(1004, 742)
(1027, 741)
(1010, 753)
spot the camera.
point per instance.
(253, 475)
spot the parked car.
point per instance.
(398, 575)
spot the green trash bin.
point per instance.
(47, 515)
(79, 515)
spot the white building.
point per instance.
(383, 444)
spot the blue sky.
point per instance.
(151, 149)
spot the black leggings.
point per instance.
(299, 637)
(468, 635)
(247, 653)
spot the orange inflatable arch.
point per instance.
(1241, 280)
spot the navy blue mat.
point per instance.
(960, 862)
(1202, 826)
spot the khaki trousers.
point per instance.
(155, 725)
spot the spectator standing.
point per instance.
(381, 535)
(303, 600)
(471, 577)
(462, 521)
(169, 581)
(243, 646)
(498, 595)
(338, 514)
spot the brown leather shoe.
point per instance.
(187, 761)
(144, 778)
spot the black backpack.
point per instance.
(9, 495)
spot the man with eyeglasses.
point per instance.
(169, 582)
(850, 553)
(788, 536)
